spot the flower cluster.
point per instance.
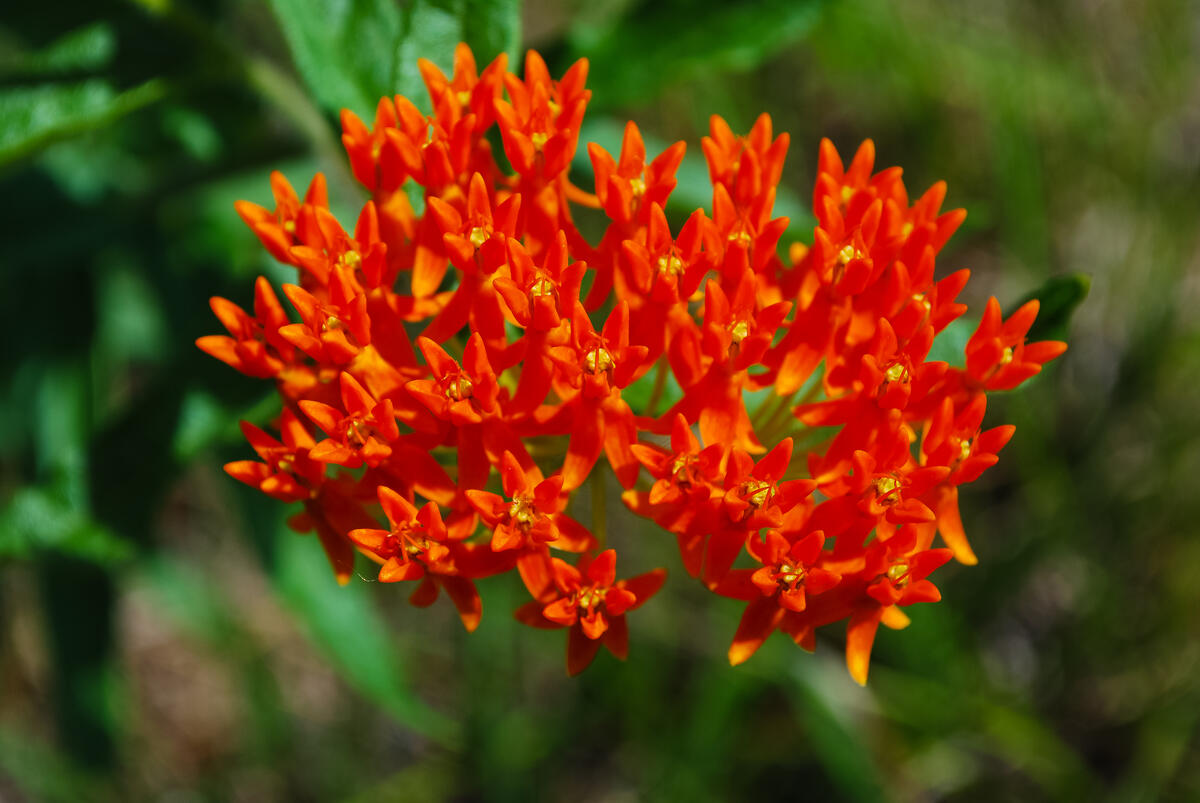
(459, 362)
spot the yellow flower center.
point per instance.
(460, 388)
(539, 139)
(886, 486)
(897, 373)
(848, 253)
(463, 97)
(739, 331)
(590, 597)
(679, 468)
(789, 574)
(350, 260)
(898, 573)
(597, 360)
(541, 287)
(522, 512)
(479, 235)
(670, 265)
(637, 187)
(756, 492)
(357, 432)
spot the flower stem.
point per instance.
(600, 506)
(660, 384)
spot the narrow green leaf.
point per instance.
(88, 48)
(833, 739)
(33, 117)
(343, 624)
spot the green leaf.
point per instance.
(353, 53)
(33, 117)
(343, 624)
(664, 43)
(432, 30)
(1059, 297)
(493, 27)
(346, 52)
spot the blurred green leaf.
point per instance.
(33, 117)
(351, 633)
(88, 48)
(951, 344)
(1059, 298)
(1002, 727)
(44, 774)
(666, 42)
(191, 599)
(830, 732)
(130, 321)
(492, 27)
(205, 421)
(42, 518)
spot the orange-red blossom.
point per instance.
(460, 372)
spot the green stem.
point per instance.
(775, 424)
(600, 506)
(660, 384)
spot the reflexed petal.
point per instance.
(860, 636)
(616, 638)
(466, 599)
(395, 571)
(758, 622)
(580, 651)
(644, 586)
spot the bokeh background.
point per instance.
(162, 637)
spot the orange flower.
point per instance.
(591, 602)
(532, 515)
(358, 434)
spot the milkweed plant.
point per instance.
(452, 371)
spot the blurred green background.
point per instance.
(163, 638)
